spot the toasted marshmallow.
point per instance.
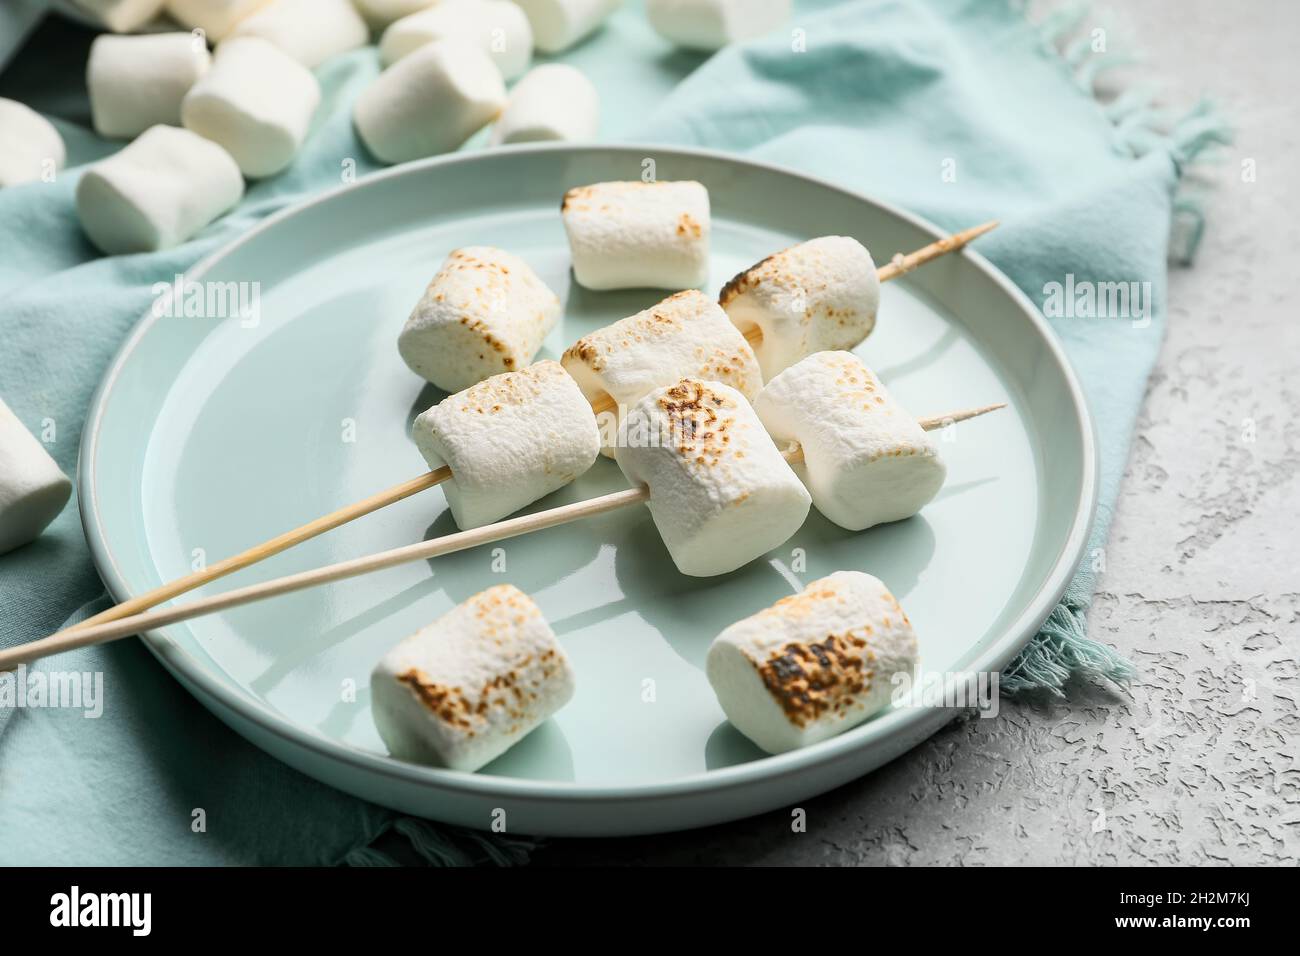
(508, 441)
(629, 235)
(721, 494)
(553, 102)
(139, 81)
(814, 664)
(484, 313)
(498, 27)
(559, 24)
(310, 31)
(122, 16)
(464, 690)
(429, 102)
(684, 336)
(380, 13)
(32, 488)
(216, 18)
(156, 192)
(30, 147)
(257, 102)
(712, 24)
(865, 459)
(819, 295)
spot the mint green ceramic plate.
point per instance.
(208, 435)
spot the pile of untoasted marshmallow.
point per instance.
(203, 121)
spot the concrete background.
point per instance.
(1196, 763)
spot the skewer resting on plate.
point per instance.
(687, 543)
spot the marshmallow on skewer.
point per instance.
(684, 336)
(498, 27)
(712, 24)
(429, 102)
(821, 294)
(552, 102)
(559, 24)
(122, 16)
(465, 689)
(508, 441)
(139, 81)
(32, 488)
(380, 13)
(256, 101)
(485, 312)
(156, 192)
(216, 18)
(628, 235)
(865, 459)
(814, 664)
(310, 31)
(721, 494)
(30, 147)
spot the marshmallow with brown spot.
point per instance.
(508, 441)
(712, 24)
(498, 27)
(631, 235)
(685, 336)
(484, 313)
(721, 494)
(815, 664)
(865, 460)
(464, 690)
(819, 295)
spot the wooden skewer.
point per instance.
(83, 634)
(382, 499)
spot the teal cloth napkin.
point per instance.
(957, 109)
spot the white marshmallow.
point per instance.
(814, 664)
(712, 24)
(553, 102)
(721, 494)
(32, 488)
(559, 24)
(498, 27)
(30, 147)
(865, 459)
(216, 18)
(310, 31)
(429, 102)
(139, 81)
(122, 16)
(508, 441)
(380, 13)
(156, 192)
(818, 295)
(485, 312)
(684, 336)
(257, 102)
(467, 688)
(629, 235)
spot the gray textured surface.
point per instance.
(1197, 764)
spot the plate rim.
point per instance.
(175, 657)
